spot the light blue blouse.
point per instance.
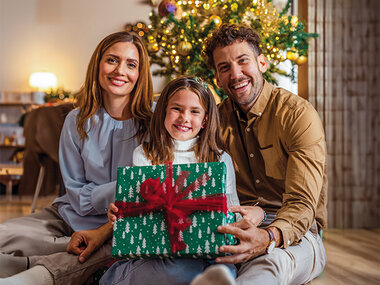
(89, 167)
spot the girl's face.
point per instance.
(184, 115)
(119, 69)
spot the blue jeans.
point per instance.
(176, 271)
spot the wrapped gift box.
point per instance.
(144, 233)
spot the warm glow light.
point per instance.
(43, 80)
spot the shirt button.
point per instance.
(257, 181)
(288, 242)
(260, 113)
(251, 155)
(248, 129)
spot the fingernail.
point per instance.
(221, 248)
(81, 259)
(217, 260)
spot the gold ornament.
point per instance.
(216, 19)
(301, 60)
(153, 47)
(184, 48)
(292, 54)
(234, 7)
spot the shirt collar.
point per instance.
(258, 108)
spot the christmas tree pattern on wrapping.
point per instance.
(146, 236)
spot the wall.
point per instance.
(58, 36)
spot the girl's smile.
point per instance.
(185, 115)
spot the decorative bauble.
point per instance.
(184, 48)
(166, 7)
(301, 60)
(216, 19)
(153, 47)
(292, 54)
(234, 7)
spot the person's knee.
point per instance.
(182, 270)
(153, 271)
(8, 236)
(270, 269)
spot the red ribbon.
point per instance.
(169, 199)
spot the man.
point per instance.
(277, 142)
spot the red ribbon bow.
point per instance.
(169, 199)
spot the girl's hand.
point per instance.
(111, 213)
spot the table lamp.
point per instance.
(42, 81)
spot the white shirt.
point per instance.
(183, 153)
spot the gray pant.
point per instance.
(43, 237)
(297, 264)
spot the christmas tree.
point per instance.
(177, 30)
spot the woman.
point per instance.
(114, 108)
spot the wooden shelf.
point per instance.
(12, 146)
(17, 104)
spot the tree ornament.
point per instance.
(184, 48)
(301, 60)
(153, 47)
(166, 7)
(292, 54)
(216, 19)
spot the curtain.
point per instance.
(343, 85)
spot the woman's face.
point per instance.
(119, 69)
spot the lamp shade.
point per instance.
(43, 80)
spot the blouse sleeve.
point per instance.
(85, 197)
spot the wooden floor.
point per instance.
(353, 255)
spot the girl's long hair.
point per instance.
(90, 99)
(209, 145)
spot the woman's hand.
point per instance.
(84, 243)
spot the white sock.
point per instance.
(37, 275)
(11, 264)
(215, 275)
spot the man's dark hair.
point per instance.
(227, 35)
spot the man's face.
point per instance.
(239, 73)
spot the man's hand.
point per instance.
(253, 240)
(254, 214)
(84, 243)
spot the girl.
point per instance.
(114, 108)
(184, 129)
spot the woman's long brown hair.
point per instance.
(209, 145)
(90, 99)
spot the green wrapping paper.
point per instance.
(146, 235)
